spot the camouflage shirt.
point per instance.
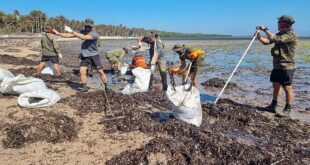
(116, 55)
(184, 56)
(283, 52)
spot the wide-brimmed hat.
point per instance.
(286, 19)
(178, 47)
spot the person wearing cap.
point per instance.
(50, 51)
(156, 46)
(194, 56)
(89, 51)
(115, 58)
(283, 53)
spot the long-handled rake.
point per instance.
(246, 51)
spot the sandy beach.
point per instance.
(78, 130)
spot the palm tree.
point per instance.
(38, 18)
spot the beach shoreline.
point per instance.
(132, 129)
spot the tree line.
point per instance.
(36, 20)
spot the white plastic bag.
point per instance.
(124, 68)
(49, 69)
(43, 97)
(141, 83)
(20, 84)
(5, 73)
(187, 106)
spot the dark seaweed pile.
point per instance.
(63, 78)
(231, 133)
(26, 71)
(7, 59)
(89, 102)
(219, 83)
(50, 127)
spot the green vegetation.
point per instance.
(303, 45)
(36, 20)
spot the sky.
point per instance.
(235, 17)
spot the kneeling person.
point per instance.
(115, 58)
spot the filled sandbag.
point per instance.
(49, 69)
(141, 83)
(20, 84)
(5, 73)
(124, 68)
(186, 104)
(38, 98)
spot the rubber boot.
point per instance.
(272, 107)
(83, 88)
(164, 81)
(151, 82)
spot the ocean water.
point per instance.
(220, 59)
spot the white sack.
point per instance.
(5, 73)
(49, 98)
(187, 106)
(49, 69)
(141, 83)
(124, 68)
(20, 84)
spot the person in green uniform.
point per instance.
(194, 56)
(115, 58)
(50, 51)
(283, 53)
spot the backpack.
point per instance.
(139, 61)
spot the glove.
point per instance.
(260, 27)
(68, 29)
(152, 68)
(258, 35)
(55, 31)
(60, 55)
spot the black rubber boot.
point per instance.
(164, 80)
(112, 71)
(106, 86)
(272, 107)
(151, 82)
(83, 88)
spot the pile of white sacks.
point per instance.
(32, 92)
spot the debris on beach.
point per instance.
(219, 84)
(235, 133)
(7, 59)
(50, 127)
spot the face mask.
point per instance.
(87, 28)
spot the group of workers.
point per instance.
(283, 57)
